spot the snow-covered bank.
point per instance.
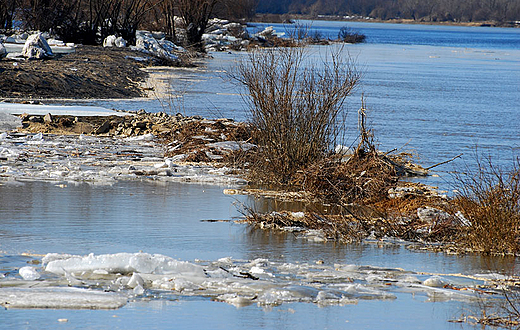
(95, 279)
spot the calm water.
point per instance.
(440, 91)
(409, 34)
(39, 218)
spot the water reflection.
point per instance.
(166, 218)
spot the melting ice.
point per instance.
(100, 160)
(111, 280)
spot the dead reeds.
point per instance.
(489, 198)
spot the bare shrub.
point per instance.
(295, 107)
(195, 14)
(44, 15)
(346, 34)
(489, 199)
(86, 21)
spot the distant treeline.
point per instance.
(419, 10)
(90, 21)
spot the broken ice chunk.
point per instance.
(435, 282)
(58, 297)
(29, 273)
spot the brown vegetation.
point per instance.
(294, 118)
(295, 111)
(489, 198)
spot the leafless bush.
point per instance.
(86, 21)
(489, 199)
(195, 14)
(295, 107)
(7, 12)
(44, 15)
(346, 34)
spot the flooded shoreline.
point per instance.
(432, 91)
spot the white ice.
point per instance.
(60, 297)
(99, 160)
(237, 282)
(40, 109)
(29, 273)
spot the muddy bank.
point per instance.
(90, 72)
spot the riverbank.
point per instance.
(89, 72)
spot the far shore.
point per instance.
(287, 18)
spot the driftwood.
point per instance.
(444, 162)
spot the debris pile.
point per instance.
(187, 138)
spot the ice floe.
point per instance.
(100, 160)
(147, 43)
(110, 280)
(60, 297)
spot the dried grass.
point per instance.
(490, 199)
(295, 108)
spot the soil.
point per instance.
(90, 72)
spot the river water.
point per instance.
(435, 91)
(440, 91)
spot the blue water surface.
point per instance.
(409, 34)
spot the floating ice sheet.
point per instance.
(60, 298)
(237, 282)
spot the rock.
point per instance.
(47, 118)
(36, 48)
(3, 51)
(141, 124)
(104, 128)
